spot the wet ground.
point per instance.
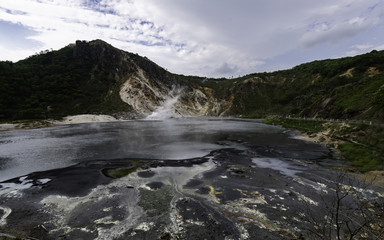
(272, 186)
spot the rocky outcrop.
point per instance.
(201, 102)
(146, 96)
(139, 93)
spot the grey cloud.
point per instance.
(334, 35)
(225, 69)
(191, 37)
(13, 12)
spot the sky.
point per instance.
(213, 38)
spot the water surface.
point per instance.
(26, 151)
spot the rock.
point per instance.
(322, 139)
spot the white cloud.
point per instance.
(198, 37)
(17, 54)
(363, 48)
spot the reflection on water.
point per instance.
(27, 151)
(276, 164)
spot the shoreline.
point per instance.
(87, 118)
(75, 119)
(374, 177)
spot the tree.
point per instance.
(349, 211)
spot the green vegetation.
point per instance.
(361, 157)
(122, 172)
(86, 78)
(361, 144)
(345, 88)
(71, 80)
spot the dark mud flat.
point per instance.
(257, 192)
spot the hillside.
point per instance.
(73, 80)
(94, 77)
(346, 88)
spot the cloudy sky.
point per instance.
(199, 37)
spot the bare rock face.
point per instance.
(201, 102)
(146, 96)
(139, 92)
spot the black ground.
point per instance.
(224, 195)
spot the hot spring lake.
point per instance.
(180, 178)
(26, 151)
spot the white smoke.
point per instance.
(167, 110)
